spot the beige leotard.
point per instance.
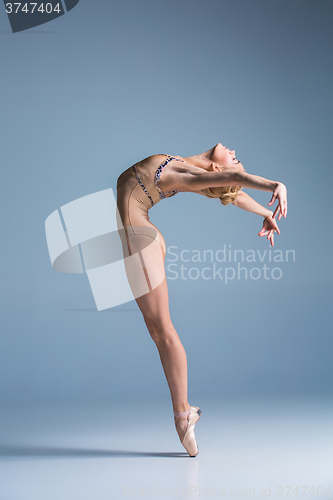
(137, 191)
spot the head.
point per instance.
(221, 158)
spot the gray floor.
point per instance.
(248, 448)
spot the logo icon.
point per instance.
(85, 237)
(25, 15)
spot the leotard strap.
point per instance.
(142, 185)
(158, 175)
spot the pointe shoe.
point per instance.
(189, 442)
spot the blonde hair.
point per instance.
(226, 194)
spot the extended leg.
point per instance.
(154, 306)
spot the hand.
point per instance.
(280, 193)
(269, 227)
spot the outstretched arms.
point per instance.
(187, 177)
(196, 179)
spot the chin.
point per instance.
(215, 152)
(218, 146)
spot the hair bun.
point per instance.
(226, 194)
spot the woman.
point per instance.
(217, 174)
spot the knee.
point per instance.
(159, 332)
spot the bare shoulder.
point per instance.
(155, 161)
(175, 175)
(150, 163)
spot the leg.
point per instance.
(155, 309)
(154, 306)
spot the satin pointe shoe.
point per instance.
(189, 442)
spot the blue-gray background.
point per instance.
(87, 95)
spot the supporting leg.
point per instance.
(154, 306)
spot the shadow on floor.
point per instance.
(35, 451)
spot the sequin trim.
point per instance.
(158, 175)
(142, 185)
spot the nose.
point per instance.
(232, 152)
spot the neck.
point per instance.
(201, 161)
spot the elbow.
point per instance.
(237, 179)
(240, 178)
(240, 196)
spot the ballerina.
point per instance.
(217, 174)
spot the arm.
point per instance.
(245, 202)
(198, 178)
(279, 191)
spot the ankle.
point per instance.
(182, 411)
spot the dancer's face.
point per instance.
(225, 157)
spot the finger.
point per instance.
(276, 227)
(272, 199)
(276, 211)
(285, 210)
(262, 230)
